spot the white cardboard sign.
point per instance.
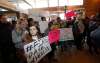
(66, 34)
(36, 50)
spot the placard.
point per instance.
(54, 36)
(36, 50)
(66, 34)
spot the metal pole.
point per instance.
(17, 5)
(58, 8)
(48, 1)
(35, 3)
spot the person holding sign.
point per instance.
(54, 35)
(36, 51)
(34, 37)
(63, 24)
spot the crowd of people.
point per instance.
(13, 36)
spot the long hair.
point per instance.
(38, 30)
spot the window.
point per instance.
(74, 2)
(41, 3)
(62, 2)
(53, 3)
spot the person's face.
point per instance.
(79, 17)
(17, 25)
(55, 21)
(24, 24)
(44, 19)
(33, 30)
(3, 19)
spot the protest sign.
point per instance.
(54, 36)
(66, 34)
(36, 50)
(70, 14)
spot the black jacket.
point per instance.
(7, 49)
(5, 35)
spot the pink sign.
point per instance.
(69, 14)
(54, 36)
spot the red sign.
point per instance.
(70, 14)
(54, 36)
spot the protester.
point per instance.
(62, 44)
(35, 35)
(91, 27)
(53, 25)
(7, 49)
(43, 25)
(95, 37)
(78, 29)
(18, 35)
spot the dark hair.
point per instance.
(30, 19)
(42, 18)
(38, 33)
(58, 19)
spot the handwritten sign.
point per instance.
(66, 34)
(54, 36)
(36, 50)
